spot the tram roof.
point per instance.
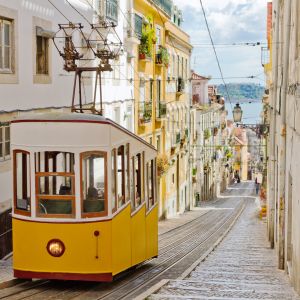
(76, 118)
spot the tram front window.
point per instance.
(93, 183)
(55, 184)
(22, 182)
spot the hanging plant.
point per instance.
(162, 56)
(207, 134)
(162, 164)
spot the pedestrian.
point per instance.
(256, 186)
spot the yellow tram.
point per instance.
(85, 204)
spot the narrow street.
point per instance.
(242, 267)
(179, 248)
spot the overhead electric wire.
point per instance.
(59, 11)
(86, 19)
(216, 55)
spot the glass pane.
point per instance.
(150, 183)
(121, 179)
(22, 175)
(6, 57)
(7, 133)
(54, 161)
(93, 183)
(7, 149)
(1, 134)
(55, 185)
(137, 165)
(7, 34)
(127, 166)
(1, 56)
(1, 149)
(113, 179)
(57, 206)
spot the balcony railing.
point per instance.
(161, 110)
(145, 112)
(165, 5)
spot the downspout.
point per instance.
(272, 194)
(283, 140)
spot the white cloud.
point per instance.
(230, 21)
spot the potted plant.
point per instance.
(162, 56)
(147, 39)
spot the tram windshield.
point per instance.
(93, 183)
(55, 180)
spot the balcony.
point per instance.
(161, 110)
(165, 5)
(145, 112)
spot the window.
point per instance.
(22, 195)
(4, 142)
(127, 170)
(42, 56)
(116, 71)
(138, 25)
(138, 179)
(5, 45)
(158, 90)
(150, 183)
(121, 176)
(117, 114)
(94, 184)
(113, 181)
(132, 185)
(112, 10)
(129, 118)
(151, 90)
(158, 37)
(55, 184)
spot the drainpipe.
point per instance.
(282, 160)
(273, 100)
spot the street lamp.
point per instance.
(237, 113)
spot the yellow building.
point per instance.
(161, 76)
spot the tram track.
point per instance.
(173, 250)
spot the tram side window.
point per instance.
(127, 174)
(132, 184)
(55, 184)
(121, 175)
(22, 182)
(138, 181)
(113, 181)
(94, 184)
(150, 180)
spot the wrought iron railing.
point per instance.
(165, 5)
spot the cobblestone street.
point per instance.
(242, 267)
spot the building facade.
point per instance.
(162, 58)
(283, 143)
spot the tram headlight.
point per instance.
(56, 248)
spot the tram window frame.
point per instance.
(127, 173)
(84, 155)
(121, 159)
(151, 181)
(27, 176)
(48, 170)
(138, 179)
(114, 183)
(132, 184)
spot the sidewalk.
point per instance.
(6, 272)
(242, 267)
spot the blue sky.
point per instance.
(230, 21)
